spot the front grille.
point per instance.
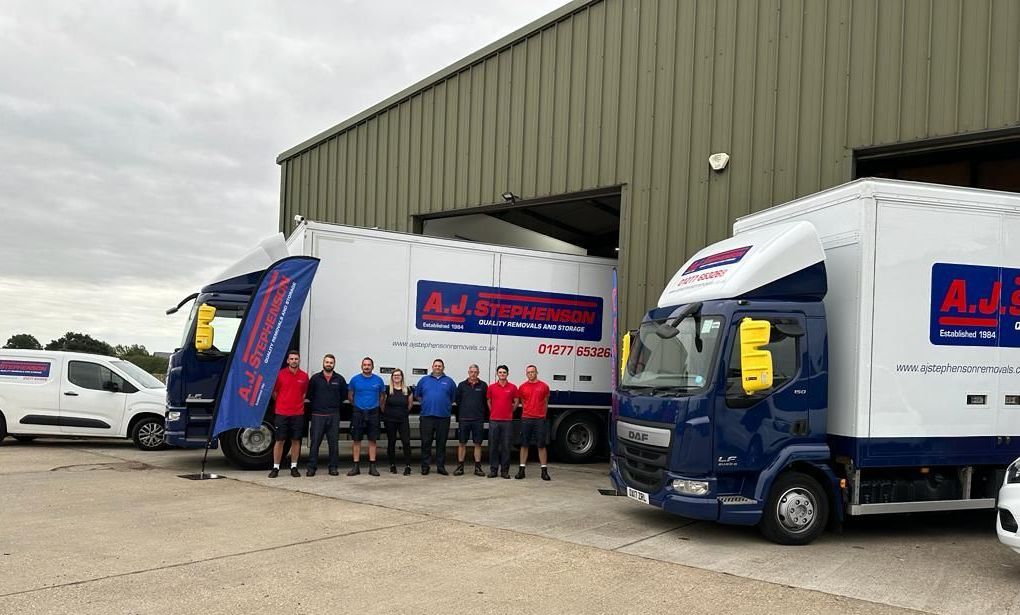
(1007, 521)
(643, 467)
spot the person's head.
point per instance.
(367, 365)
(397, 379)
(502, 372)
(293, 359)
(532, 373)
(437, 367)
(473, 372)
(328, 363)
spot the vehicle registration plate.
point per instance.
(640, 496)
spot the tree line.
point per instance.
(83, 342)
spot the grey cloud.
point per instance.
(139, 139)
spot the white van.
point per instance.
(56, 393)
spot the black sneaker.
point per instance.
(424, 470)
(478, 470)
(355, 470)
(274, 472)
(334, 472)
(393, 469)
(459, 471)
(442, 471)
(372, 471)
(493, 473)
(505, 474)
(295, 473)
(520, 473)
(310, 472)
(545, 474)
(407, 470)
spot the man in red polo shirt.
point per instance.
(502, 397)
(289, 393)
(534, 395)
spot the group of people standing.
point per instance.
(376, 404)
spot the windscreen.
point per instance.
(675, 364)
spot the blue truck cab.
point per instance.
(690, 438)
(852, 352)
(194, 371)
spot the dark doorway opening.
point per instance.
(986, 160)
(581, 222)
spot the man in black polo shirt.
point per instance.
(470, 399)
(326, 391)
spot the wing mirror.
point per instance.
(755, 364)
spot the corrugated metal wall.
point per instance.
(640, 92)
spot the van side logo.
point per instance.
(717, 260)
(974, 305)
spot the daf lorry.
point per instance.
(852, 352)
(404, 300)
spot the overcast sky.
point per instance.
(139, 139)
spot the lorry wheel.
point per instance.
(149, 433)
(577, 438)
(250, 449)
(797, 510)
(3, 428)
(24, 438)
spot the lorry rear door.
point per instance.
(92, 399)
(593, 363)
(1008, 401)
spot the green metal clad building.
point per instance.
(594, 125)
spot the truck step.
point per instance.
(735, 499)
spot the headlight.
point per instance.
(690, 487)
(1013, 473)
(173, 416)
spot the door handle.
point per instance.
(70, 394)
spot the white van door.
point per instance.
(29, 387)
(92, 399)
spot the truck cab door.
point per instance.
(751, 428)
(92, 400)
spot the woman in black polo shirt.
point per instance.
(399, 399)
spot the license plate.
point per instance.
(640, 496)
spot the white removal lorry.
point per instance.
(889, 317)
(406, 299)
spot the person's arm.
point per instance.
(350, 393)
(310, 392)
(343, 390)
(410, 398)
(382, 395)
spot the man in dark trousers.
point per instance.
(470, 399)
(326, 391)
(502, 398)
(435, 391)
(289, 395)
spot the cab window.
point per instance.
(785, 351)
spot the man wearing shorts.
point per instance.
(289, 394)
(534, 396)
(470, 399)
(366, 392)
(502, 398)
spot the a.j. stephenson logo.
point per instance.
(974, 305)
(507, 311)
(717, 260)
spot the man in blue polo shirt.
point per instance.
(365, 392)
(435, 392)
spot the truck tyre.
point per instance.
(797, 510)
(3, 428)
(249, 449)
(149, 433)
(24, 438)
(577, 438)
